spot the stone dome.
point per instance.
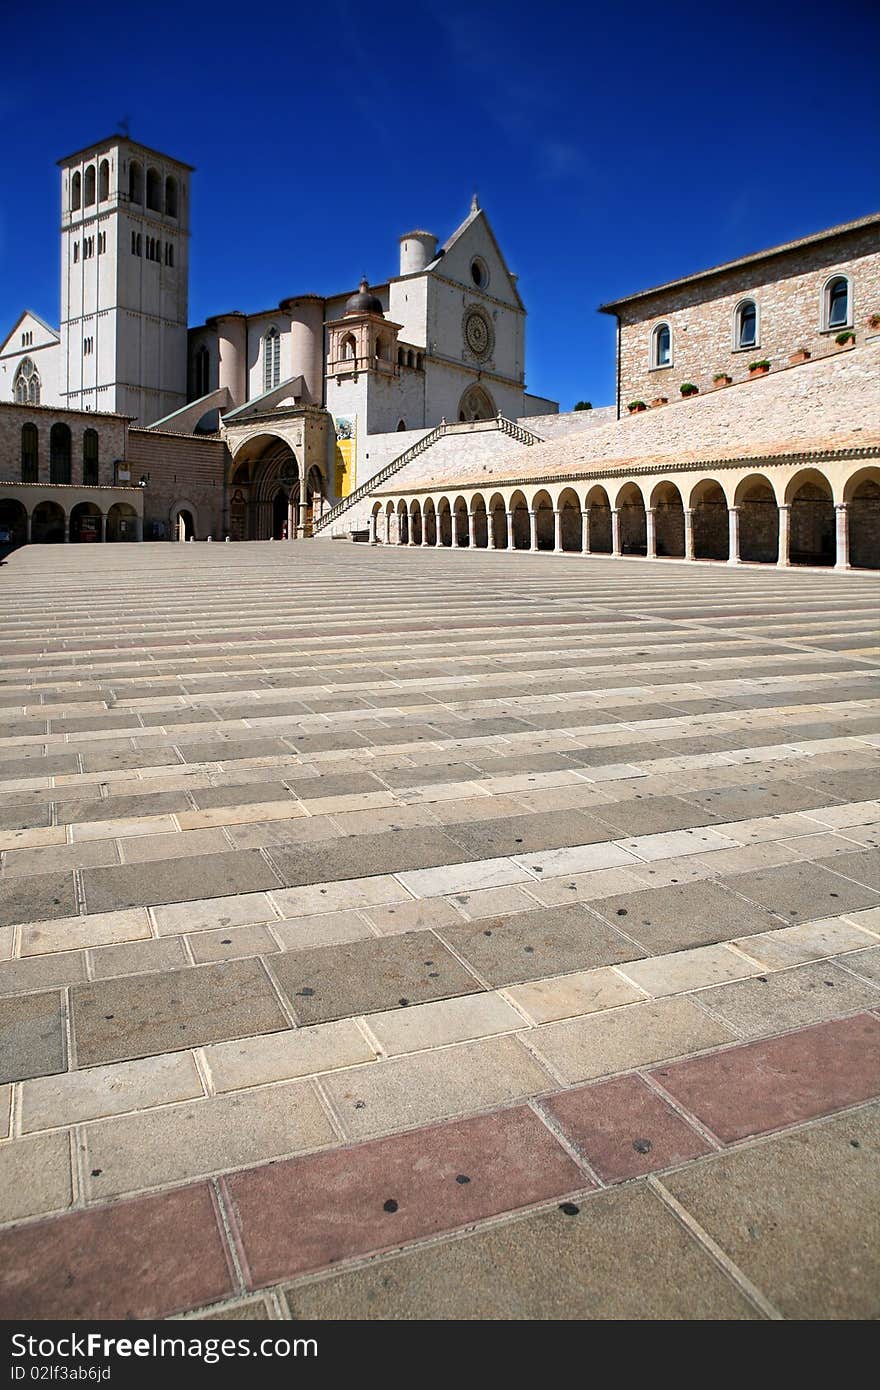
(363, 302)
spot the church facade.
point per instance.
(309, 398)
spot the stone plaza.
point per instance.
(393, 932)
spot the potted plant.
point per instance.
(636, 407)
(659, 400)
(874, 321)
(688, 388)
(802, 355)
(846, 339)
(721, 379)
(759, 368)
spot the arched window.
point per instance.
(26, 385)
(837, 303)
(745, 331)
(201, 372)
(30, 453)
(76, 192)
(154, 190)
(169, 253)
(171, 196)
(90, 458)
(401, 357)
(271, 359)
(135, 182)
(139, 245)
(104, 181)
(401, 425)
(661, 346)
(59, 454)
(89, 186)
(418, 361)
(349, 347)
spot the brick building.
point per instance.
(64, 476)
(706, 329)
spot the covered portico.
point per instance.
(277, 483)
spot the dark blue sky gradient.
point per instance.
(613, 146)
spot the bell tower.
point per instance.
(124, 279)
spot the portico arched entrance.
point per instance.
(271, 495)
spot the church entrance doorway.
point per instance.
(280, 504)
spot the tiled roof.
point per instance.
(822, 406)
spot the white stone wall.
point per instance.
(45, 353)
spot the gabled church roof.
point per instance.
(476, 214)
(25, 314)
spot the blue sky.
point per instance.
(613, 146)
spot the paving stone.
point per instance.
(143, 1259)
(41, 972)
(550, 1266)
(564, 996)
(580, 1049)
(126, 1017)
(803, 892)
(137, 957)
(807, 941)
(176, 880)
(174, 1143)
(789, 998)
(821, 1261)
(448, 1021)
(230, 943)
(684, 915)
(284, 1056)
(519, 834)
(199, 915)
(688, 970)
(72, 1097)
(415, 1090)
(32, 1036)
(310, 1213)
(358, 856)
(366, 976)
(508, 950)
(623, 1128)
(766, 1085)
(143, 849)
(35, 1176)
(37, 897)
(420, 915)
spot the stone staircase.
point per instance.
(469, 440)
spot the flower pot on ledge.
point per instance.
(688, 389)
(844, 341)
(658, 401)
(758, 369)
(636, 407)
(721, 380)
(802, 355)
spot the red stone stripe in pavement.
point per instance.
(624, 1129)
(308, 1213)
(766, 1085)
(145, 1258)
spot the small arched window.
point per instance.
(661, 346)
(26, 386)
(746, 325)
(30, 453)
(169, 253)
(139, 249)
(104, 181)
(401, 425)
(401, 357)
(837, 303)
(89, 186)
(171, 196)
(271, 359)
(418, 361)
(349, 347)
(90, 458)
(59, 454)
(135, 182)
(154, 190)
(76, 192)
(201, 372)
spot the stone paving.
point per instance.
(426, 934)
